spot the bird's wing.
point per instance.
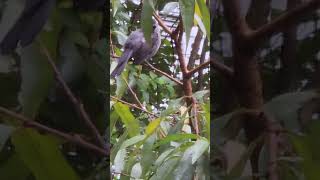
(135, 40)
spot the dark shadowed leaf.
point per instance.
(42, 155)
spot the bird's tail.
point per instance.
(122, 61)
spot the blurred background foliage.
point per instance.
(290, 94)
(73, 40)
(158, 144)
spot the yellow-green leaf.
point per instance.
(153, 125)
(127, 118)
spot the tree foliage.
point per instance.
(152, 114)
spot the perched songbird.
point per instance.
(137, 47)
(34, 16)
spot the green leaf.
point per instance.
(37, 78)
(14, 169)
(72, 65)
(152, 126)
(175, 137)
(115, 6)
(132, 141)
(199, 95)
(289, 104)
(78, 38)
(136, 171)
(238, 168)
(163, 156)
(148, 155)
(119, 160)
(187, 12)
(185, 169)
(205, 16)
(206, 108)
(173, 106)
(165, 172)
(118, 145)
(121, 37)
(307, 146)
(42, 155)
(199, 147)
(50, 34)
(146, 19)
(121, 85)
(127, 118)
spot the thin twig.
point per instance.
(198, 68)
(134, 106)
(73, 139)
(164, 74)
(77, 104)
(134, 94)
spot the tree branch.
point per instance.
(164, 74)
(285, 20)
(223, 69)
(198, 68)
(134, 94)
(195, 49)
(162, 24)
(73, 139)
(272, 139)
(77, 104)
(133, 105)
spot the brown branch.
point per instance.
(272, 144)
(73, 139)
(133, 105)
(134, 94)
(195, 118)
(181, 57)
(283, 21)
(237, 24)
(187, 83)
(162, 24)
(195, 49)
(223, 69)
(198, 68)
(77, 104)
(164, 74)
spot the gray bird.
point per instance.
(137, 47)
